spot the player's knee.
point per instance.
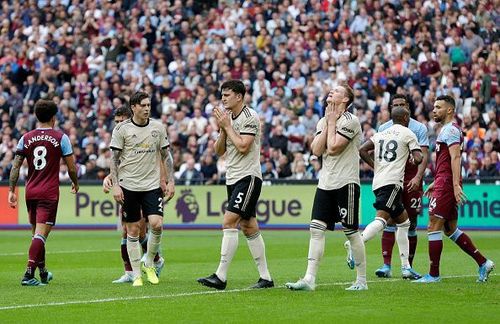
(133, 229)
(317, 229)
(249, 231)
(449, 230)
(156, 226)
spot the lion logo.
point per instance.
(187, 206)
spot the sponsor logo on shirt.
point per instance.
(345, 129)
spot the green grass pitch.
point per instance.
(85, 262)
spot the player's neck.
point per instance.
(237, 110)
(448, 120)
(45, 125)
(140, 121)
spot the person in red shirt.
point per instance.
(43, 148)
(446, 193)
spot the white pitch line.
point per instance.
(210, 292)
(58, 252)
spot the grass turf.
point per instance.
(85, 262)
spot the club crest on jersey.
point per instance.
(155, 133)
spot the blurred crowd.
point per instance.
(90, 56)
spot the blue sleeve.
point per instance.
(384, 126)
(423, 139)
(66, 147)
(452, 136)
(20, 146)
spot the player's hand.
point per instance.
(222, 117)
(163, 187)
(107, 184)
(330, 113)
(118, 194)
(430, 189)
(460, 196)
(413, 184)
(170, 192)
(12, 199)
(338, 111)
(74, 188)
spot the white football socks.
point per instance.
(316, 250)
(403, 243)
(373, 228)
(154, 242)
(358, 253)
(134, 253)
(258, 251)
(227, 251)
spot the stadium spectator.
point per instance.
(191, 175)
(82, 55)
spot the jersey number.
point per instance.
(239, 199)
(160, 205)
(415, 203)
(39, 154)
(388, 152)
(432, 203)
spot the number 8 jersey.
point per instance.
(43, 149)
(392, 147)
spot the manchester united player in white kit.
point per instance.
(391, 150)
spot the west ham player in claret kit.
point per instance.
(446, 193)
(412, 191)
(42, 148)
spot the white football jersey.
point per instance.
(392, 148)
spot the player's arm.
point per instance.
(429, 190)
(423, 165)
(220, 143)
(69, 159)
(117, 144)
(318, 145)
(417, 157)
(163, 177)
(455, 155)
(13, 178)
(415, 183)
(166, 157)
(242, 142)
(115, 164)
(364, 152)
(336, 141)
(107, 184)
(70, 162)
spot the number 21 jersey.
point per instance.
(43, 149)
(392, 147)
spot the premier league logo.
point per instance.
(187, 206)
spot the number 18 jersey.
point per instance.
(392, 147)
(43, 149)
